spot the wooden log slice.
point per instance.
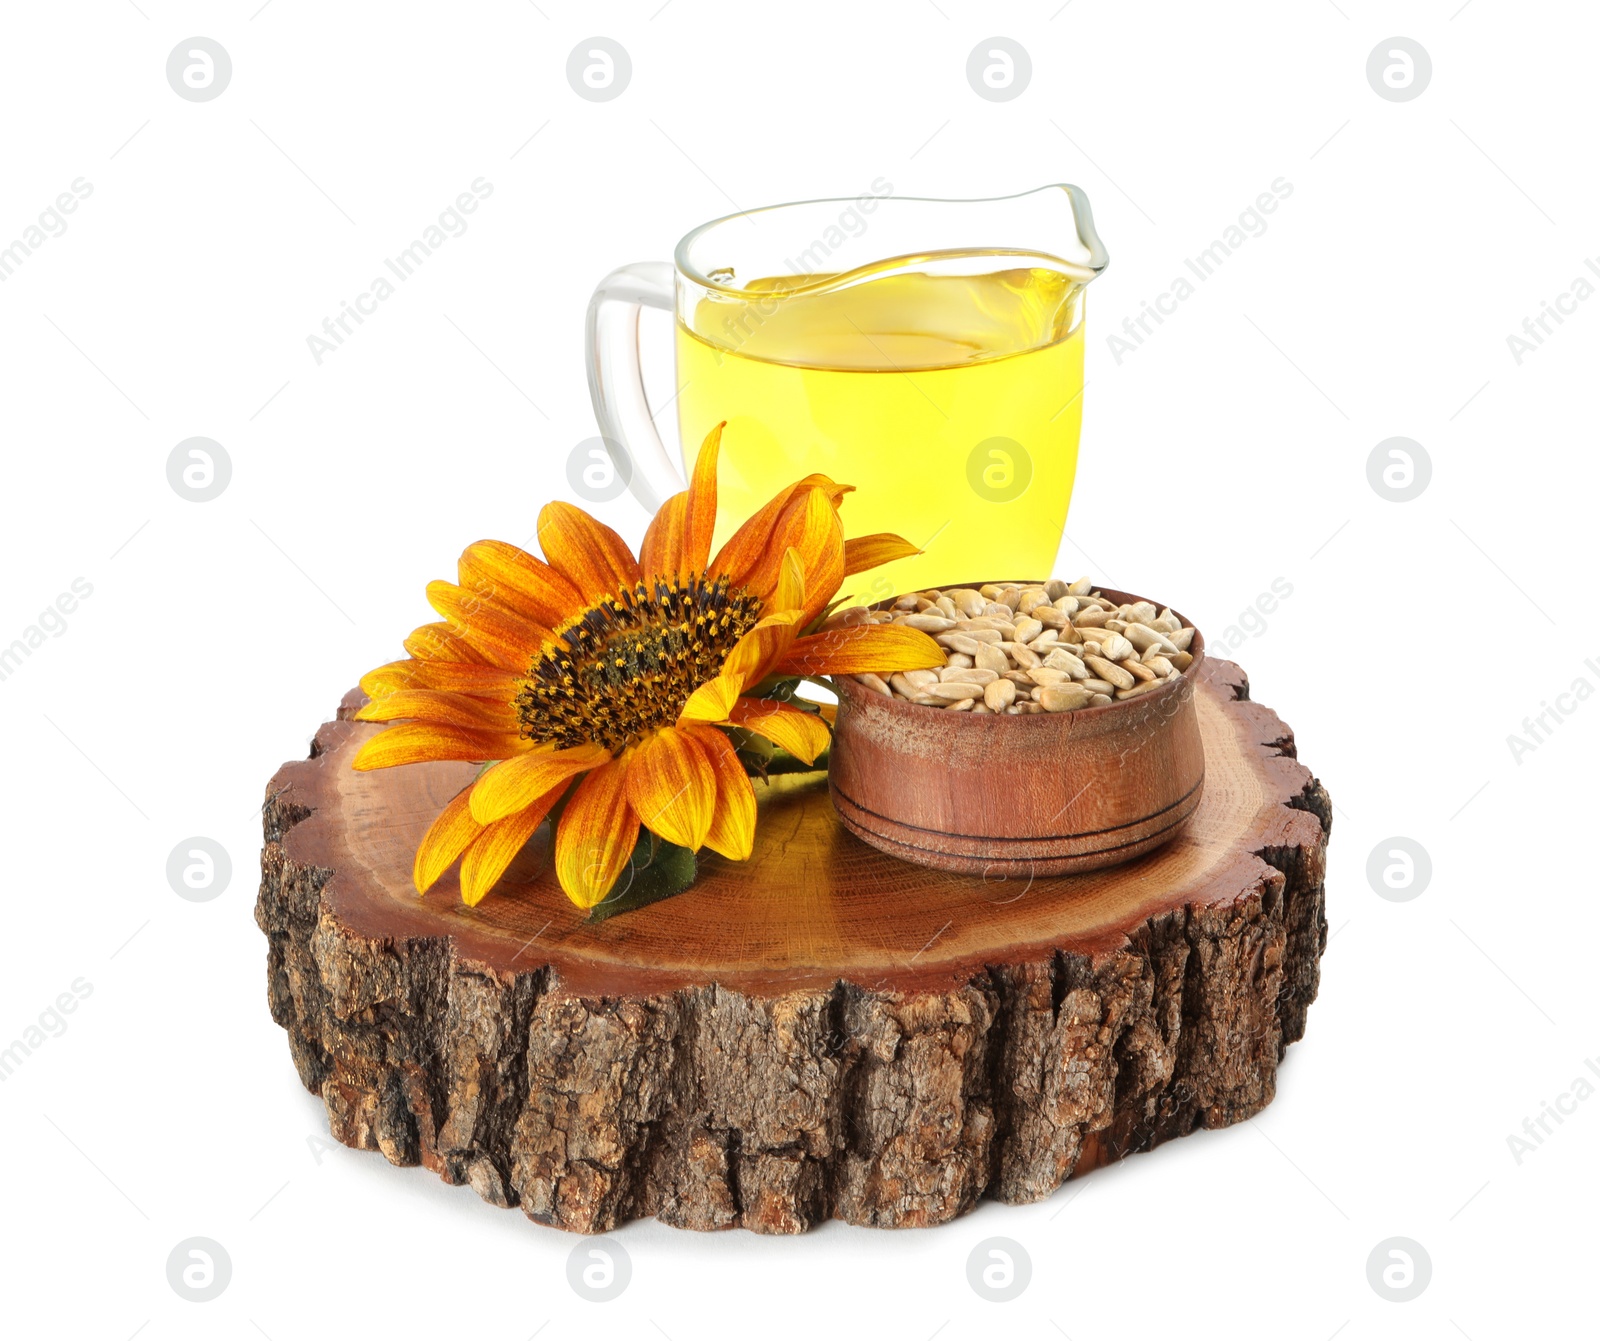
(820, 1031)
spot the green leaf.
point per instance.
(657, 870)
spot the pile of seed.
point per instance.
(1012, 648)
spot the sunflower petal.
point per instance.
(431, 705)
(507, 639)
(790, 593)
(713, 700)
(447, 838)
(810, 526)
(803, 734)
(881, 648)
(869, 551)
(746, 547)
(395, 675)
(451, 677)
(596, 835)
(439, 642)
(592, 556)
(754, 655)
(520, 582)
(425, 742)
(495, 847)
(733, 823)
(671, 787)
(702, 510)
(661, 553)
(509, 786)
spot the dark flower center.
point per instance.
(628, 665)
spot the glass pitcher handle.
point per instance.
(616, 380)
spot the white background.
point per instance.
(1228, 451)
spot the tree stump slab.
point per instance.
(820, 1031)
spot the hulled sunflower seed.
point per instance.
(1020, 648)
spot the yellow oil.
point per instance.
(951, 401)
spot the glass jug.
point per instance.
(929, 352)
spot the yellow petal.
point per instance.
(493, 850)
(790, 593)
(424, 742)
(508, 787)
(592, 556)
(518, 581)
(713, 700)
(447, 838)
(596, 835)
(754, 655)
(733, 824)
(869, 551)
(881, 648)
(803, 734)
(671, 787)
(430, 705)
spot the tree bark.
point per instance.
(820, 1031)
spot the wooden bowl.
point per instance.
(1039, 794)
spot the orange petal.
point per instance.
(751, 541)
(439, 642)
(430, 705)
(661, 554)
(810, 526)
(422, 742)
(868, 551)
(455, 677)
(671, 787)
(494, 848)
(507, 639)
(754, 655)
(881, 648)
(803, 734)
(508, 787)
(596, 835)
(587, 552)
(733, 822)
(520, 582)
(713, 700)
(447, 838)
(702, 512)
(395, 675)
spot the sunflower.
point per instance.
(604, 680)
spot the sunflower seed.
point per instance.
(991, 659)
(1017, 649)
(1116, 648)
(1063, 697)
(999, 696)
(1143, 687)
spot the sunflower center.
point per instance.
(628, 665)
